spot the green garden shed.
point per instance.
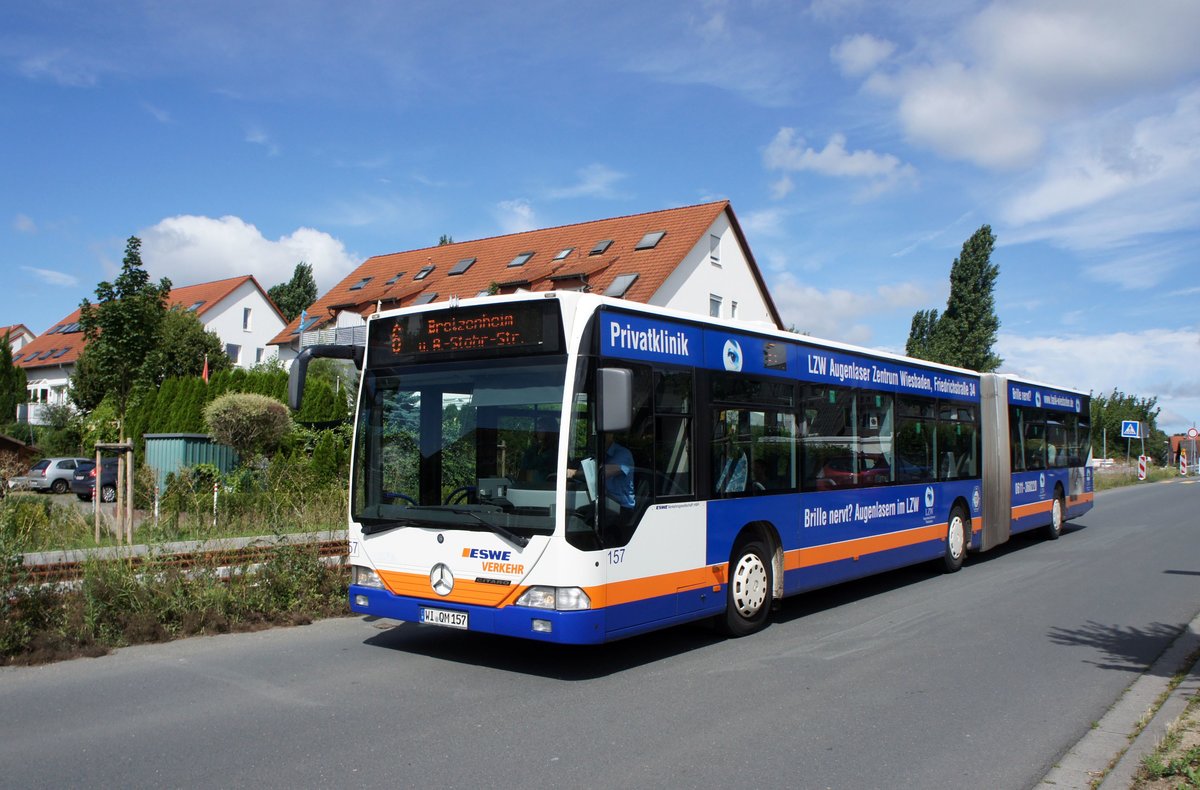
(170, 452)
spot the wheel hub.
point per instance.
(749, 585)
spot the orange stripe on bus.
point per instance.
(853, 549)
(1032, 509)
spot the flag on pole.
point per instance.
(205, 373)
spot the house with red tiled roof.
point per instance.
(693, 258)
(18, 336)
(237, 309)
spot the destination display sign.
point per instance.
(466, 333)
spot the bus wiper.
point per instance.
(500, 530)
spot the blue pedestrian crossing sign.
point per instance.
(1131, 429)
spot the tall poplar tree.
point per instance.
(297, 294)
(12, 383)
(964, 333)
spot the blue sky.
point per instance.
(860, 144)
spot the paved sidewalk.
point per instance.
(1109, 742)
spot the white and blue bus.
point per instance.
(570, 468)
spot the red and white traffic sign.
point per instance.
(1193, 433)
(1141, 467)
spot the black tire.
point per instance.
(750, 591)
(108, 493)
(84, 497)
(1058, 516)
(958, 533)
(59, 486)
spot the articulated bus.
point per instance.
(577, 469)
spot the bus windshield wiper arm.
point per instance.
(502, 531)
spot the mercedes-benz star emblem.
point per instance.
(441, 579)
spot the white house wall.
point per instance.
(697, 279)
(226, 320)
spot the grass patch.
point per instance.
(118, 603)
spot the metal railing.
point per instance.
(341, 336)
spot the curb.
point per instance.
(1115, 740)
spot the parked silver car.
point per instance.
(48, 474)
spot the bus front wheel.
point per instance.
(957, 531)
(1058, 516)
(750, 590)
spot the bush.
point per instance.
(251, 424)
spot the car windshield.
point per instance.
(463, 446)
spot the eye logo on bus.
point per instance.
(1042, 481)
(1037, 399)
(975, 500)
(732, 355)
(1078, 405)
(929, 497)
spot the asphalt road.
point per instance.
(913, 679)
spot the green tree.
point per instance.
(965, 332)
(1107, 414)
(122, 328)
(12, 383)
(296, 294)
(183, 345)
(445, 239)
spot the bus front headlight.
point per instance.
(563, 599)
(365, 577)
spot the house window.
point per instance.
(462, 266)
(600, 247)
(620, 285)
(562, 254)
(425, 272)
(733, 309)
(258, 355)
(234, 352)
(358, 286)
(714, 306)
(714, 249)
(394, 279)
(246, 311)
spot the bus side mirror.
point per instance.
(299, 369)
(616, 399)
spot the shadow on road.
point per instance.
(1126, 648)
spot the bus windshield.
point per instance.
(459, 446)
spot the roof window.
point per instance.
(520, 260)
(650, 240)
(421, 275)
(46, 354)
(196, 306)
(358, 286)
(462, 266)
(60, 352)
(426, 298)
(394, 279)
(619, 286)
(71, 327)
(57, 329)
(562, 254)
(600, 247)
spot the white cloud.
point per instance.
(60, 66)
(839, 314)
(258, 136)
(993, 92)
(594, 181)
(515, 216)
(1100, 159)
(191, 249)
(157, 113)
(23, 223)
(789, 153)
(1145, 364)
(861, 54)
(52, 277)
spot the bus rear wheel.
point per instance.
(1058, 517)
(957, 530)
(750, 591)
